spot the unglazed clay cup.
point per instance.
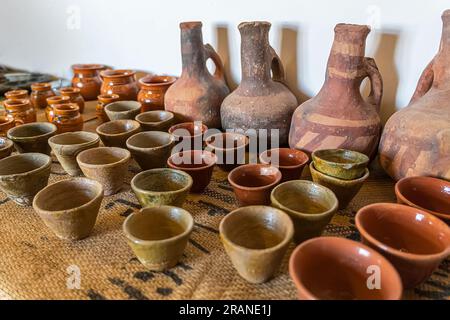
(115, 133)
(190, 134)
(163, 186)
(107, 165)
(414, 241)
(156, 120)
(23, 175)
(229, 148)
(429, 194)
(345, 190)
(290, 162)
(332, 268)
(151, 149)
(70, 207)
(122, 110)
(198, 163)
(340, 163)
(6, 147)
(256, 239)
(32, 137)
(158, 235)
(252, 183)
(66, 147)
(310, 206)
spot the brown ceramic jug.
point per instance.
(197, 95)
(74, 95)
(21, 110)
(153, 90)
(121, 82)
(67, 117)
(338, 116)
(416, 139)
(103, 100)
(40, 91)
(86, 78)
(51, 102)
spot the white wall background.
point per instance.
(50, 35)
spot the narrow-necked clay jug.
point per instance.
(338, 116)
(262, 100)
(416, 139)
(197, 95)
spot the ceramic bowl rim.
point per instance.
(93, 135)
(317, 155)
(124, 73)
(180, 126)
(47, 125)
(16, 92)
(145, 133)
(87, 66)
(171, 80)
(133, 122)
(264, 153)
(7, 143)
(46, 165)
(126, 156)
(277, 174)
(246, 141)
(204, 167)
(156, 170)
(332, 179)
(133, 107)
(155, 123)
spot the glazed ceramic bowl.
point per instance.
(426, 193)
(66, 147)
(156, 120)
(70, 207)
(256, 239)
(107, 165)
(340, 163)
(158, 235)
(32, 137)
(310, 206)
(122, 110)
(229, 148)
(252, 183)
(189, 134)
(198, 164)
(290, 162)
(115, 133)
(163, 186)
(23, 175)
(345, 190)
(414, 241)
(151, 149)
(331, 268)
(6, 147)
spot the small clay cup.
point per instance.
(256, 239)
(115, 133)
(23, 175)
(310, 206)
(340, 163)
(198, 163)
(163, 186)
(32, 137)
(290, 162)
(6, 122)
(429, 194)
(66, 147)
(229, 148)
(345, 190)
(17, 94)
(6, 147)
(151, 149)
(190, 134)
(332, 268)
(121, 110)
(414, 241)
(70, 207)
(156, 120)
(158, 235)
(107, 165)
(252, 183)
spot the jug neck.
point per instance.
(192, 49)
(441, 66)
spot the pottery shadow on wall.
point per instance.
(223, 49)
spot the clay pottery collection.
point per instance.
(197, 95)
(162, 186)
(51, 102)
(103, 100)
(74, 95)
(86, 78)
(414, 241)
(23, 175)
(338, 116)
(332, 268)
(39, 94)
(70, 207)
(121, 82)
(290, 162)
(21, 110)
(122, 110)
(229, 148)
(158, 235)
(107, 165)
(252, 183)
(6, 122)
(340, 163)
(261, 101)
(189, 134)
(67, 117)
(256, 239)
(310, 206)
(115, 133)
(6, 147)
(153, 90)
(66, 147)
(156, 120)
(198, 164)
(16, 94)
(32, 137)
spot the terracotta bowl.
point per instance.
(123, 110)
(189, 134)
(310, 206)
(331, 268)
(6, 147)
(23, 175)
(164, 186)
(413, 240)
(252, 183)
(256, 239)
(115, 133)
(32, 137)
(198, 164)
(290, 162)
(340, 163)
(229, 148)
(158, 235)
(426, 193)
(156, 120)
(70, 207)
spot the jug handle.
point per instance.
(277, 67)
(376, 83)
(211, 53)
(425, 82)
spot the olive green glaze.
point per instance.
(115, 133)
(6, 147)
(345, 190)
(23, 175)
(122, 110)
(32, 137)
(340, 163)
(162, 186)
(158, 235)
(310, 206)
(156, 120)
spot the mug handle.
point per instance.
(376, 83)
(425, 82)
(213, 55)
(276, 66)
